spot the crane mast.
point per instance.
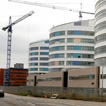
(52, 6)
(9, 28)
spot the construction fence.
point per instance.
(69, 93)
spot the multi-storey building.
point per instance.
(100, 33)
(38, 57)
(2, 77)
(71, 46)
(15, 77)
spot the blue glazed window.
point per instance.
(90, 77)
(70, 78)
(56, 48)
(32, 69)
(44, 58)
(47, 41)
(56, 40)
(57, 33)
(77, 48)
(76, 55)
(56, 55)
(77, 32)
(76, 63)
(46, 53)
(46, 48)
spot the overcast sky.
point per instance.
(37, 26)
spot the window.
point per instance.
(34, 53)
(47, 41)
(69, 47)
(44, 48)
(79, 63)
(43, 64)
(69, 63)
(77, 23)
(76, 55)
(86, 48)
(33, 48)
(44, 69)
(82, 77)
(33, 69)
(33, 59)
(44, 53)
(57, 33)
(61, 62)
(33, 64)
(76, 47)
(50, 79)
(73, 32)
(56, 56)
(44, 58)
(70, 40)
(77, 32)
(69, 55)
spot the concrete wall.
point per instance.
(31, 80)
(51, 83)
(87, 83)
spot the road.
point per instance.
(14, 100)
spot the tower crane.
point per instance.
(9, 30)
(52, 6)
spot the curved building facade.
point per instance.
(100, 33)
(71, 45)
(38, 57)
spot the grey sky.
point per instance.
(37, 26)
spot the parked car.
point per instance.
(54, 96)
(1, 93)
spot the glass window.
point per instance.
(43, 64)
(44, 58)
(33, 69)
(33, 59)
(34, 53)
(76, 47)
(44, 53)
(73, 32)
(57, 33)
(47, 41)
(77, 32)
(69, 47)
(61, 62)
(76, 55)
(33, 48)
(44, 69)
(70, 40)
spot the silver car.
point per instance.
(1, 93)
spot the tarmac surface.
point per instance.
(14, 100)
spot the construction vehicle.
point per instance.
(9, 30)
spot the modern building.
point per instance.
(76, 78)
(38, 57)
(56, 79)
(84, 78)
(100, 33)
(2, 77)
(71, 46)
(31, 80)
(19, 65)
(15, 77)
